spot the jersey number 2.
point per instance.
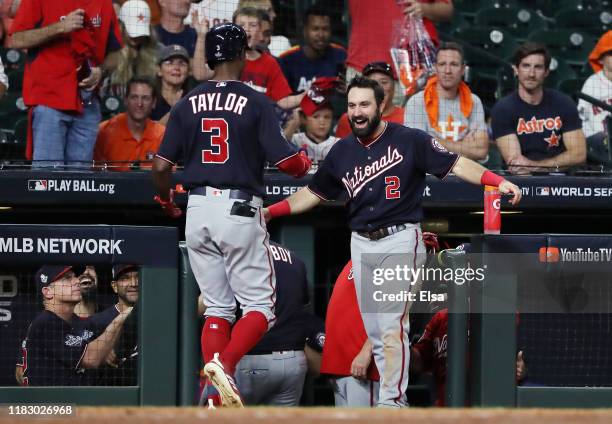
(219, 153)
(392, 187)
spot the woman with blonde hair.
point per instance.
(139, 55)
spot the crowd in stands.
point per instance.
(143, 56)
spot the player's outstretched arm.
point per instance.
(475, 173)
(97, 350)
(299, 202)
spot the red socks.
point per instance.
(215, 337)
(247, 332)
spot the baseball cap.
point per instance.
(309, 106)
(382, 67)
(50, 273)
(136, 16)
(173, 50)
(119, 269)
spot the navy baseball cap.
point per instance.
(50, 273)
(382, 67)
(119, 269)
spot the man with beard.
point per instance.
(120, 368)
(537, 128)
(88, 282)
(59, 346)
(382, 167)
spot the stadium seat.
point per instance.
(494, 159)
(486, 49)
(559, 71)
(518, 21)
(506, 81)
(595, 22)
(21, 130)
(12, 58)
(469, 8)
(11, 109)
(495, 41)
(111, 106)
(571, 87)
(458, 21)
(15, 78)
(577, 4)
(571, 45)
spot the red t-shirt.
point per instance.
(373, 23)
(50, 76)
(344, 330)
(344, 128)
(265, 75)
(432, 346)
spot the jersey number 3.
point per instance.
(392, 185)
(219, 151)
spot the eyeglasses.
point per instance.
(383, 67)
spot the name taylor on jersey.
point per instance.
(219, 102)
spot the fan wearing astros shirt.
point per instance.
(537, 129)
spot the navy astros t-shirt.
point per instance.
(539, 128)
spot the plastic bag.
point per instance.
(414, 54)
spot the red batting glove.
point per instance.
(168, 206)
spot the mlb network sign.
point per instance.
(555, 254)
(70, 186)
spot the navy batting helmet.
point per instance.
(224, 42)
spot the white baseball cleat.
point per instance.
(224, 383)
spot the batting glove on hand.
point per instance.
(168, 206)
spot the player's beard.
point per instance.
(369, 129)
(89, 293)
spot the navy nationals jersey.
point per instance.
(385, 179)
(539, 128)
(224, 131)
(289, 332)
(53, 350)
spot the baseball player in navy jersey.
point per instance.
(273, 372)
(121, 362)
(224, 131)
(382, 167)
(59, 345)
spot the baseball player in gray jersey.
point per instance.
(224, 131)
(382, 167)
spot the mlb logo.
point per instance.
(542, 191)
(217, 193)
(221, 84)
(37, 185)
(549, 254)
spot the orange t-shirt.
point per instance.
(343, 129)
(344, 330)
(116, 143)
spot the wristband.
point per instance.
(281, 208)
(491, 179)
